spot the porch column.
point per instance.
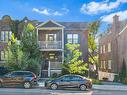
(62, 45)
(49, 73)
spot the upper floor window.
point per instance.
(109, 47)
(103, 48)
(6, 35)
(72, 38)
(50, 37)
(2, 55)
(104, 64)
(109, 64)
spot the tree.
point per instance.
(92, 45)
(123, 73)
(13, 54)
(73, 62)
(30, 49)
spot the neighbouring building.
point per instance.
(112, 50)
(52, 38)
(5, 35)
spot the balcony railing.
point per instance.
(55, 65)
(50, 44)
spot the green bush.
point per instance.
(124, 80)
(95, 81)
(54, 75)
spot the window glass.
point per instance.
(6, 36)
(109, 64)
(69, 38)
(109, 47)
(76, 78)
(103, 48)
(10, 33)
(2, 36)
(75, 38)
(2, 55)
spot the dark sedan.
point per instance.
(69, 81)
(25, 79)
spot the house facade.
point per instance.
(111, 44)
(52, 38)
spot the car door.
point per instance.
(75, 81)
(64, 81)
(7, 80)
(17, 78)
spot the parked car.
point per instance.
(25, 79)
(69, 81)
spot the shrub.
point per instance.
(124, 80)
(54, 75)
(95, 81)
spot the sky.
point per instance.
(65, 10)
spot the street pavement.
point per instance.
(43, 91)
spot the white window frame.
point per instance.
(2, 55)
(75, 38)
(109, 64)
(2, 36)
(69, 38)
(104, 64)
(103, 48)
(109, 47)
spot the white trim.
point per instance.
(51, 49)
(123, 30)
(49, 21)
(63, 45)
(50, 28)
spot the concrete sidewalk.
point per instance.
(101, 87)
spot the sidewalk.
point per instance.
(101, 87)
(110, 87)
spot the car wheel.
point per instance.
(54, 86)
(82, 87)
(27, 85)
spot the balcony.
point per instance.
(55, 65)
(50, 44)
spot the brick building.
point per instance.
(111, 46)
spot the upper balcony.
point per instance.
(50, 36)
(50, 45)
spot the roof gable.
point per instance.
(49, 24)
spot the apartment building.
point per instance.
(110, 48)
(52, 38)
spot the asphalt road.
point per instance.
(40, 91)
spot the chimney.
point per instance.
(116, 24)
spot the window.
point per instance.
(2, 55)
(6, 36)
(109, 47)
(69, 38)
(10, 33)
(2, 36)
(109, 64)
(101, 65)
(103, 48)
(72, 38)
(104, 64)
(50, 37)
(75, 38)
